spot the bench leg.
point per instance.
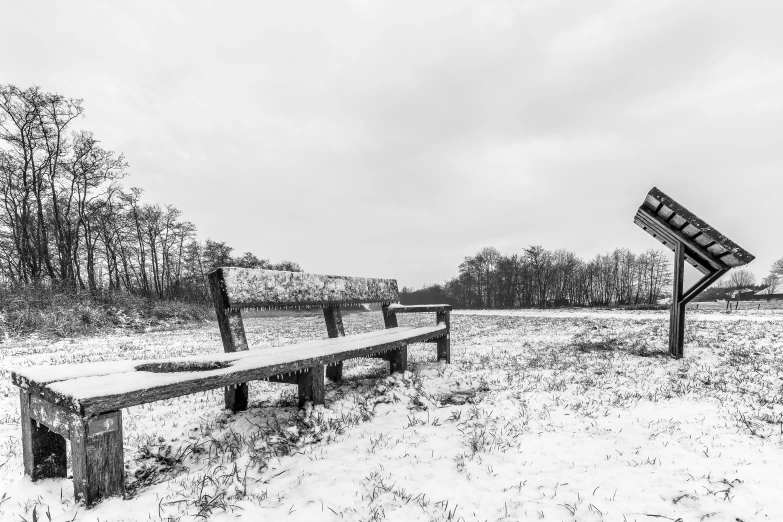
(236, 397)
(398, 360)
(311, 386)
(97, 456)
(43, 451)
(444, 349)
(444, 343)
(334, 372)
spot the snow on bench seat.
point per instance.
(92, 388)
(402, 309)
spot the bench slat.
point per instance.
(403, 309)
(119, 384)
(45, 374)
(254, 288)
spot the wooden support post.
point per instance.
(398, 360)
(444, 343)
(232, 332)
(389, 318)
(311, 386)
(334, 327)
(97, 457)
(43, 450)
(677, 320)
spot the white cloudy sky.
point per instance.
(394, 138)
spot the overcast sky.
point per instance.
(393, 139)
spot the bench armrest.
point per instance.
(402, 309)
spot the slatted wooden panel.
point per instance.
(91, 388)
(704, 247)
(273, 289)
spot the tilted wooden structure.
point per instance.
(82, 403)
(694, 242)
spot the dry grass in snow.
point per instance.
(541, 415)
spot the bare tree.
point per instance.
(741, 279)
(777, 267)
(771, 283)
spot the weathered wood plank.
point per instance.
(690, 231)
(717, 249)
(652, 203)
(32, 376)
(311, 385)
(232, 333)
(54, 417)
(694, 242)
(677, 221)
(398, 360)
(232, 330)
(43, 450)
(389, 318)
(97, 457)
(91, 395)
(739, 252)
(707, 262)
(677, 322)
(246, 287)
(334, 328)
(444, 343)
(667, 238)
(404, 309)
(704, 240)
(665, 212)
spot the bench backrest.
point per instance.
(234, 289)
(273, 289)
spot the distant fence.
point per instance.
(736, 305)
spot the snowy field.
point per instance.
(542, 415)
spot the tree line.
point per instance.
(66, 221)
(541, 278)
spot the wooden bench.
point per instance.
(82, 403)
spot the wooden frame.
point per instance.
(53, 412)
(97, 456)
(693, 241)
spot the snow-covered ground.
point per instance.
(553, 415)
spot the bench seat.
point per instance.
(82, 403)
(91, 388)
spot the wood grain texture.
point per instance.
(121, 390)
(389, 317)
(43, 450)
(232, 330)
(677, 313)
(398, 360)
(54, 417)
(334, 328)
(444, 343)
(696, 252)
(232, 333)
(669, 240)
(32, 376)
(97, 457)
(682, 213)
(311, 386)
(253, 288)
(407, 309)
